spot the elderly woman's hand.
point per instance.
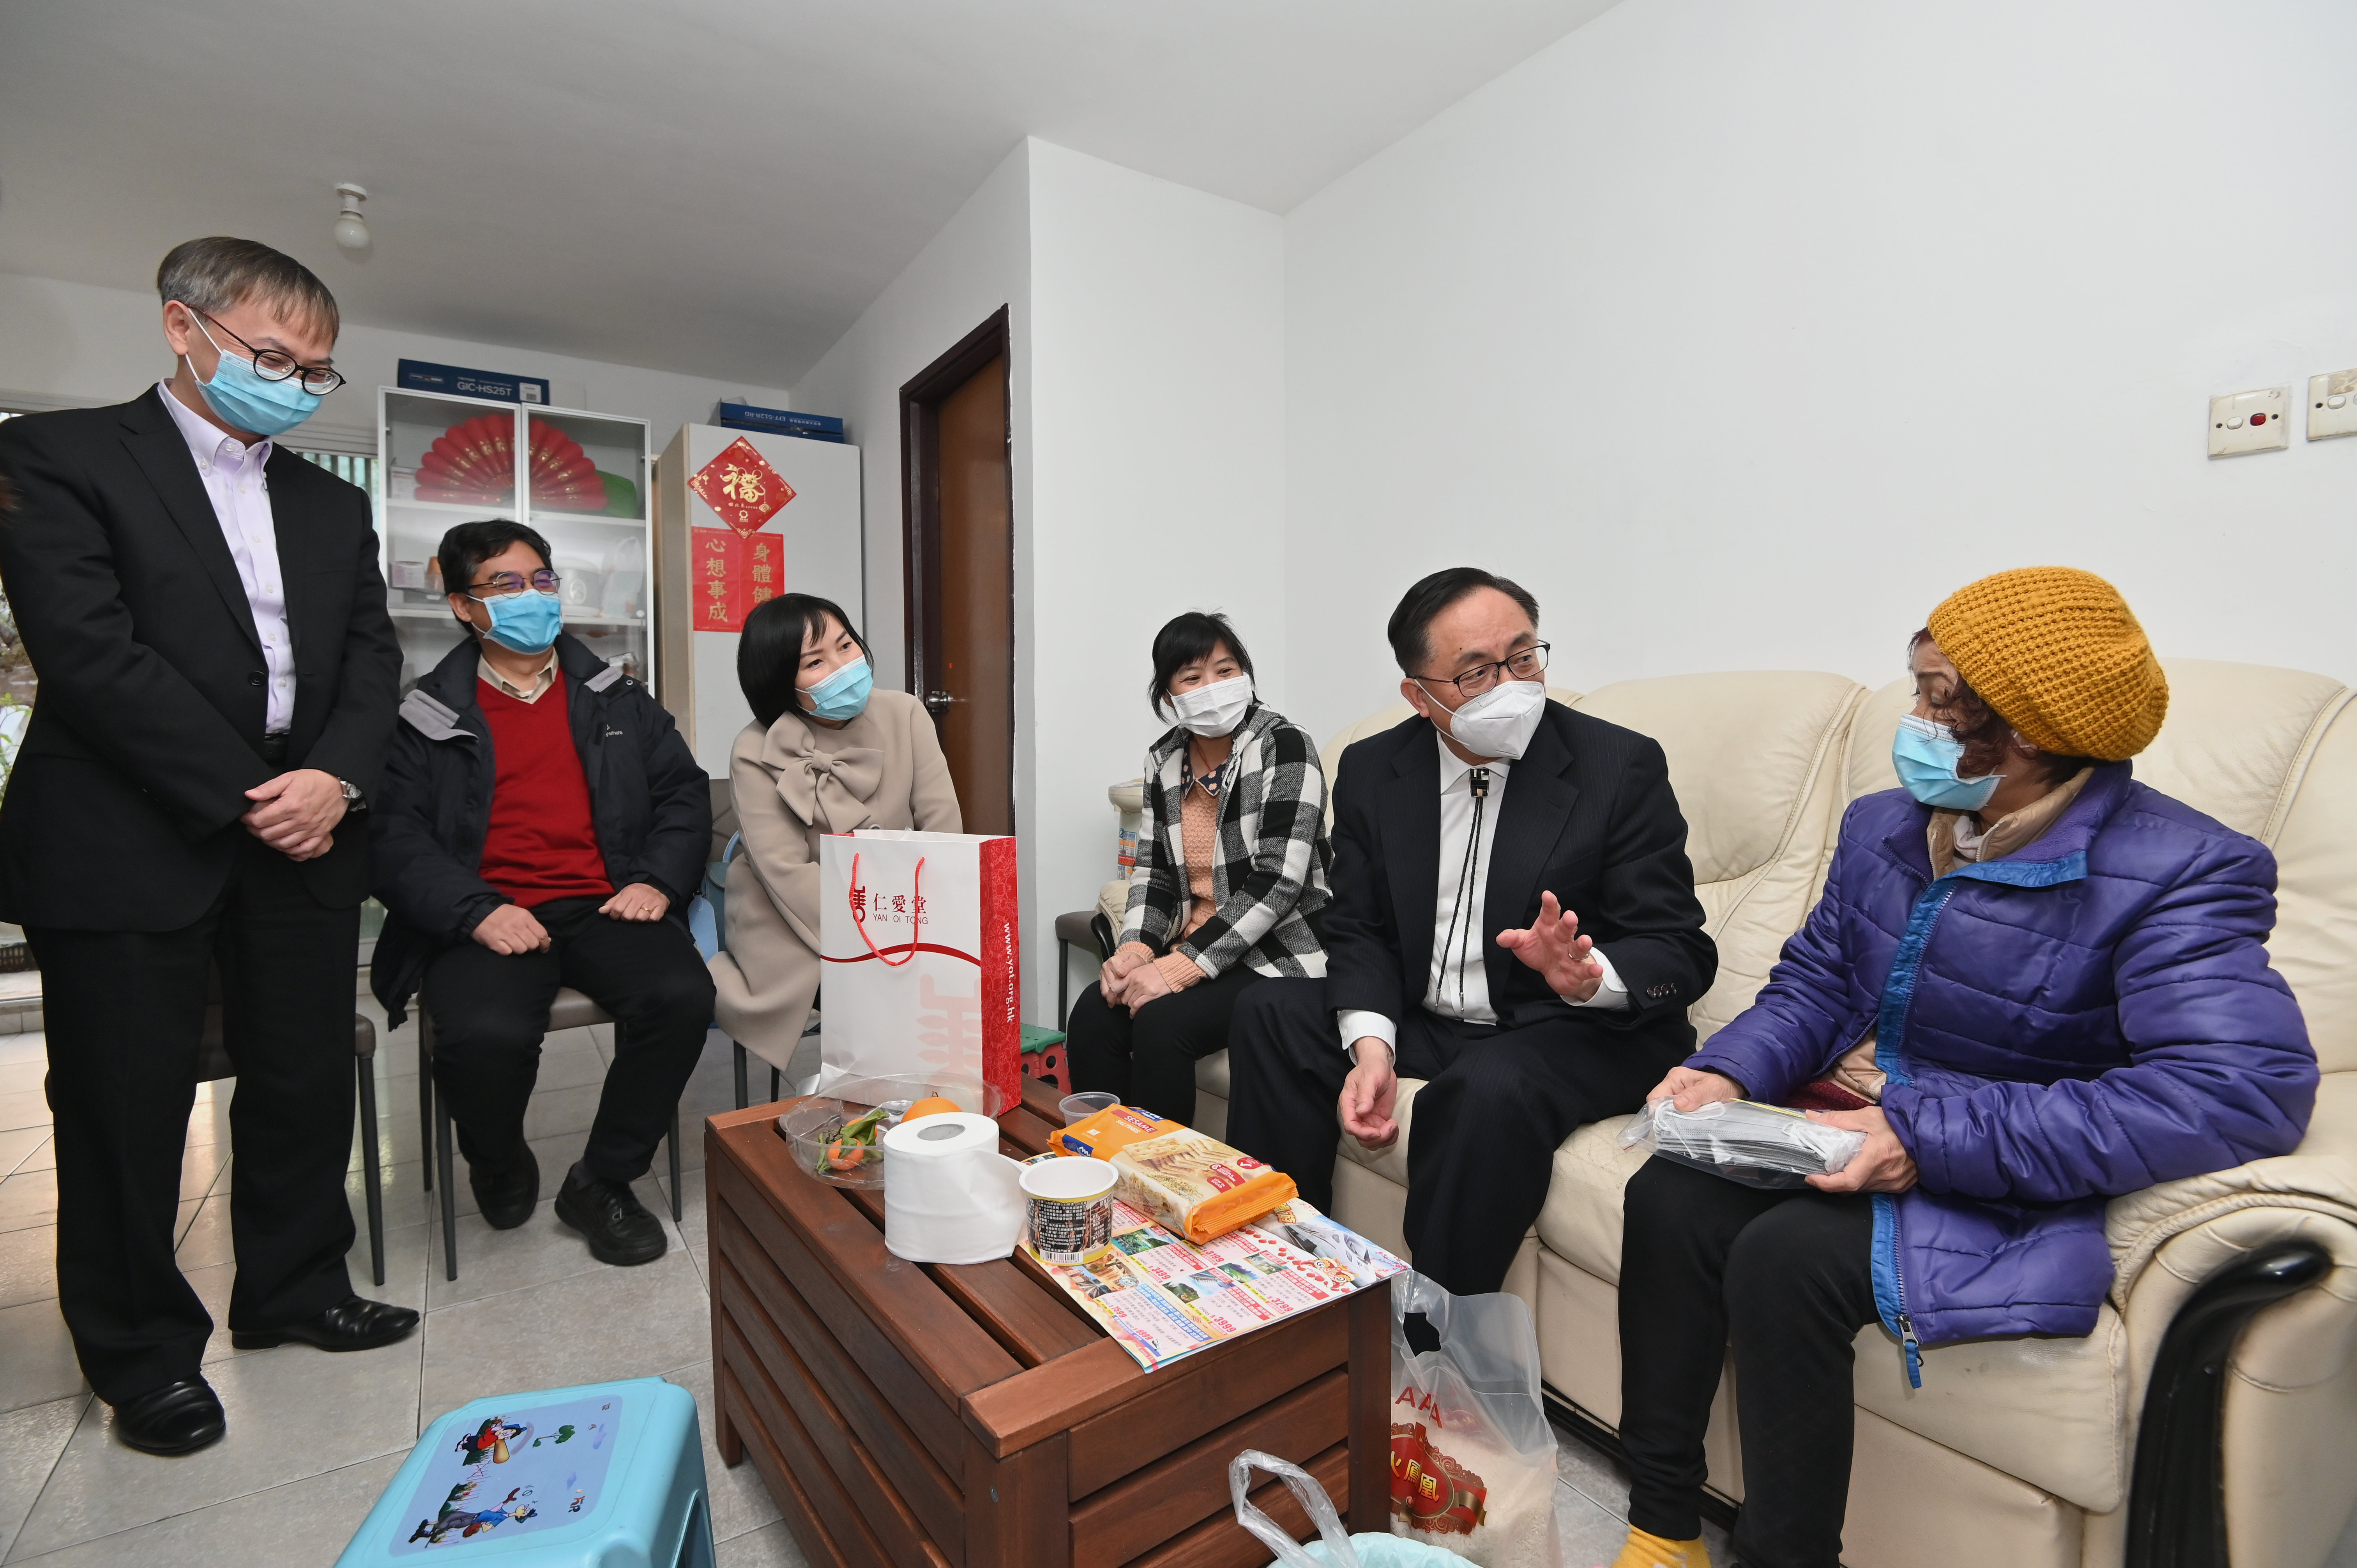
(1112, 979)
(1145, 982)
(1691, 1088)
(1883, 1165)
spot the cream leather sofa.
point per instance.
(2022, 1453)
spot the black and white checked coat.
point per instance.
(1271, 869)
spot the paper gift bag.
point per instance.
(920, 941)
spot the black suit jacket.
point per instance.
(121, 813)
(1588, 815)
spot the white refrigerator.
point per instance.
(736, 524)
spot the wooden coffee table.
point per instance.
(973, 1416)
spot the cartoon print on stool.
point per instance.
(467, 1522)
(517, 1457)
(493, 1442)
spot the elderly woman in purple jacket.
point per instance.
(2033, 984)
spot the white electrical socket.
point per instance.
(2249, 422)
(2333, 404)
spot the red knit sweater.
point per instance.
(542, 844)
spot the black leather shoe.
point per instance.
(178, 1418)
(350, 1324)
(506, 1195)
(620, 1229)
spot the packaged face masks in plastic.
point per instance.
(1759, 1145)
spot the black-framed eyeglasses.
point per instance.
(272, 365)
(1527, 665)
(505, 585)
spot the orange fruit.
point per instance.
(932, 1105)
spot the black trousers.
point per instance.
(491, 1011)
(125, 1012)
(1481, 1148)
(1787, 1278)
(1148, 1057)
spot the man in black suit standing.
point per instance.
(1514, 921)
(218, 681)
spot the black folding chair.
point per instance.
(571, 1009)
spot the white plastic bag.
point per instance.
(1759, 1145)
(1473, 1458)
(1332, 1549)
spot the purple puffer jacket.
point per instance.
(2085, 1017)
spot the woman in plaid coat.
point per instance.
(1231, 875)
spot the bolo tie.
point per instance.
(1468, 877)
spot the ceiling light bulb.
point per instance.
(351, 229)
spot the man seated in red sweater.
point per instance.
(541, 824)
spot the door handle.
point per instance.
(938, 702)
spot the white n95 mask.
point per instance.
(1501, 721)
(1212, 710)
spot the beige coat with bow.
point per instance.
(794, 783)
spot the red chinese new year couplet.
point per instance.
(742, 487)
(729, 574)
(764, 568)
(715, 574)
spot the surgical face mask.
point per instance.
(1926, 755)
(248, 403)
(843, 694)
(1501, 721)
(526, 622)
(1210, 709)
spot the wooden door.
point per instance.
(960, 578)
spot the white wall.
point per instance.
(1743, 333)
(1146, 324)
(980, 261)
(1158, 409)
(69, 344)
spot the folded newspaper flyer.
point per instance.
(1163, 1297)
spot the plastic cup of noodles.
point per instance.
(1071, 1207)
(1079, 1107)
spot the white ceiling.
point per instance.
(716, 186)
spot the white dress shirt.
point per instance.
(1458, 985)
(241, 496)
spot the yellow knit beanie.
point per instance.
(2057, 654)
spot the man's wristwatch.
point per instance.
(354, 801)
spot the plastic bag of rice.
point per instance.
(1473, 1454)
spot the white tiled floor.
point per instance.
(314, 1438)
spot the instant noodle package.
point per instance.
(1191, 1182)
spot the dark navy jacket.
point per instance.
(648, 800)
(2087, 1017)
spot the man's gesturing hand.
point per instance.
(295, 812)
(1883, 1165)
(511, 930)
(1552, 946)
(638, 901)
(1369, 1095)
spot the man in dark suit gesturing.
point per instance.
(1513, 920)
(218, 681)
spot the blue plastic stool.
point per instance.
(601, 1475)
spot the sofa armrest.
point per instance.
(2142, 1225)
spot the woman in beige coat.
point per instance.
(825, 753)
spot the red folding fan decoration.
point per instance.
(473, 463)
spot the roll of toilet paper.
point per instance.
(950, 1197)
